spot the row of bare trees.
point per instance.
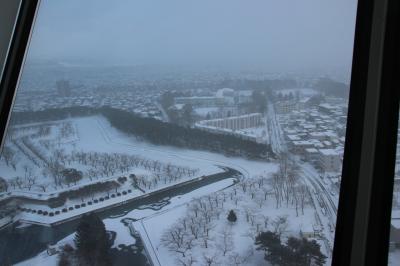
(288, 188)
(196, 229)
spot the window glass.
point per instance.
(178, 133)
(394, 245)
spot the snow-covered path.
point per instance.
(325, 206)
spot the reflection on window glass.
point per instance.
(394, 244)
(178, 133)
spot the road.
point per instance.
(275, 132)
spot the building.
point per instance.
(202, 101)
(326, 108)
(225, 92)
(330, 160)
(312, 155)
(233, 123)
(285, 107)
(299, 146)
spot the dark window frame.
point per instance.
(363, 222)
(365, 202)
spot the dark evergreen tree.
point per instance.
(63, 260)
(71, 175)
(259, 101)
(295, 252)
(310, 253)
(232, 216)
(7, 261)
(92, 244)
(187, 114)
(270, 242)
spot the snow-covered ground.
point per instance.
(254, 203)
(254, 215)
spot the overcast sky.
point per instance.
(281, 34)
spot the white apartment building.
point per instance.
(202, 101)
(285, 107)
(233, 123)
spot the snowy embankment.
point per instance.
(123, 236)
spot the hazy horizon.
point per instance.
(233, 34)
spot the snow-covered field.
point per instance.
(94, 136)
(259, 203)
(36, 161)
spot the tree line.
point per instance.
(160, 133)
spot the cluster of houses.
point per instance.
(143, 102)
(316, 133)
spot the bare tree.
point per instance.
(177, 240)
(210, 260)
(241, 259)
(304, 195)
(18, 181)
(280, 225)
(43, 187)
(187, 261)
(30, 181)
(275, 183)
(225, 243)
(266, 221)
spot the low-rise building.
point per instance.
(284, 107)
(206, 101)
(311, 155)
(330, 160)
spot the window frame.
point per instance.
(363, 219)
(365, 202)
